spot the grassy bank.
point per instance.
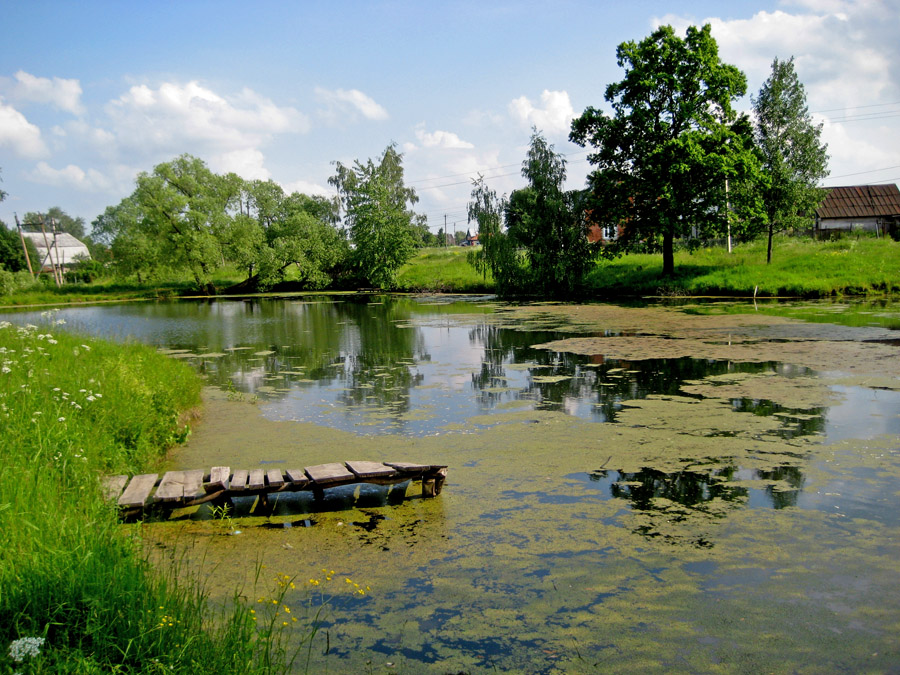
(799, 268)
(76, 595)
(442, 270)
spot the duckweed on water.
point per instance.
(721, 516)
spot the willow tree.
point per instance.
(794, 159)
(673, 138)
(377, 210)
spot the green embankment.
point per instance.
(852, 265)
(71, 410)
(799, 268)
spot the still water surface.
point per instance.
(599, 514)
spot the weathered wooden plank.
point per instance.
(322, 474)
(274, 479)
(138, 490)
(297, 477)
(193, 484)
(171, 488)
(113, 486)
(239, 480)
(364, 469)
(218, 479)
(417, 469)
(257, 480)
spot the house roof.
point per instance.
(861, 201)
(67, 246)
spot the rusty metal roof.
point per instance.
(860, 201)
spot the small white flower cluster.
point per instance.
(26, 647)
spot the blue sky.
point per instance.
(91, 93)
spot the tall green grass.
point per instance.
(799, 268)
(71, 410)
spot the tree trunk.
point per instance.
(668, 254)
(769, 249)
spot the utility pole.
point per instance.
(24, 247)
(50, 253)
(728, 214)
(444, 243)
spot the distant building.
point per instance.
(64, 250)
(470, 240)
(869, 208)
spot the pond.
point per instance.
(645, 489)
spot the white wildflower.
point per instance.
(99, 395)
(91, 398)
(5, 369)
(52, 341)
(25, 647)
(62, 419)
(86, 348)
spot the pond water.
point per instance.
(644, 491)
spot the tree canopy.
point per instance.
(376, 206)
(663, 156)
(184, 215)
(794, 159)
(535, 241)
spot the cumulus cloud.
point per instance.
(246, 163)
(175, 118)
(441, 139)
(846, 52)
(553, 116)
(340, 103)
(58, 92)
(17, 133)
(847, 55)
(307, 188)
(69, 176)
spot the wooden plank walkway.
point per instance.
(177, 489)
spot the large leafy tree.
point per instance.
(794, 159)
(377, 210)
(673, 137)
(184, 207)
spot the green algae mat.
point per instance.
(631, 489)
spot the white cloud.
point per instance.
(846, 54)
(176, 118)
(18, 133)
(846, 51)
(70, 176)
(441, 139)
(246, 163)
(553, 117)
(307, 188)
(61, 93)
(343, 102)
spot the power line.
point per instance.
(859, 173)
(856, 107)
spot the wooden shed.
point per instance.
(871, 208)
